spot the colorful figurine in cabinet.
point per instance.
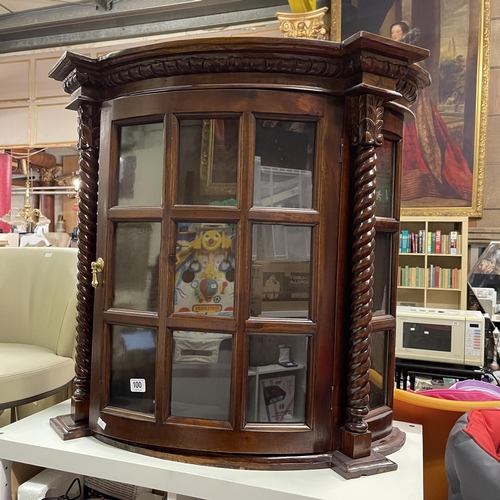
(205, 271)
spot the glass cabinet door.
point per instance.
(136, 254)
(386, 168)
(140, 169)
(284, 161)
(277, 378)
(211, 233)
(201, 375)
(281, 271)
(208, 161)
(132, 380)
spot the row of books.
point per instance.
(434, 242)
(435, 277)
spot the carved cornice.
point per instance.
(78, 79)
(324, 59)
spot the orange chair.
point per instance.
(437, 417)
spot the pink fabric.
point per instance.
(458, 395)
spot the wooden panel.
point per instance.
(494, 93)
(14, 126)
(45, 86)
(492, 142)
(15, 80)
(55, 125)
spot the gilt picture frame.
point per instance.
(218, 162)
(444, 150)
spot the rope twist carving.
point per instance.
(366, 126)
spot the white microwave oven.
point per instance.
(440, 335)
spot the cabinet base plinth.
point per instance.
(391, 443)
(350, 468)
(374, 463)
(227, 460)
(66, 428)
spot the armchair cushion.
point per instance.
(28, 370)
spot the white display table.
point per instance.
(32, 441)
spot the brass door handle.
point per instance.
(96, 267)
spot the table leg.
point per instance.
(5, 477)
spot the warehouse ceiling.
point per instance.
(36, 24)
(10, 6)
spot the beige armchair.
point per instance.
(37, 323)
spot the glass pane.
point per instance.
(281, 271)
(378, 370)
(208, 161)
(133, 361)
(201, 375)
(277, 378)
(137, 250)
(385, 179)
(140, 173)
(382, 274)
(204, 273)
(284, 160)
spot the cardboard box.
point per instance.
(276, 399)
(280, 286)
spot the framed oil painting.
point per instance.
(443, 156)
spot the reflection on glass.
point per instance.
(277, 378)
(133, 360)
(284, 161)
(205, 269)
(208, 161)
(386, 161)
(137, 249)
(140, 173)
(378, 370)
(382, 274)
(281, 271)
(485, 273)
(201, 375)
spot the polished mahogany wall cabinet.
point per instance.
(238, 223)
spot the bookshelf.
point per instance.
(432, 264)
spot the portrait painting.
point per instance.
(444, 140)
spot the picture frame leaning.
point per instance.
(444, 150)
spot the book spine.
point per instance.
(404, 241)
(421, 241)
(413, 278)
(438, 241)
(445, 243)
(454, 242)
